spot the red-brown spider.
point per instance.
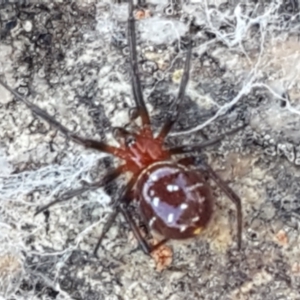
(174, 200)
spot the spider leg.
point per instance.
(144, 245)
(197, 147)
(232, 196)
(175, 106)
(121, 206)
(136, 84)
(124, 199)
(111, 219)
(95, 185)
(210, 173)
(88, 143)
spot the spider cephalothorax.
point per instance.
(175, 199)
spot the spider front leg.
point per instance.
(136, 83)
(88, 143)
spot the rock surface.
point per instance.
(71, 58)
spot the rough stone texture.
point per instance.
(71, 58)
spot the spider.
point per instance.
(175, 200)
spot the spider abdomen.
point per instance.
(175, 201)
